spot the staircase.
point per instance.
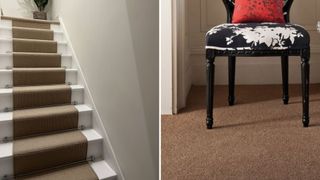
(45, 127)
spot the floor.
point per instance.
(258, 138)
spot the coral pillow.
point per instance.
(258, 11)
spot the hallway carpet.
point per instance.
(258, 138)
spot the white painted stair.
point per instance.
(95, 140)
(6, 97)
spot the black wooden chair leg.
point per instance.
(210, 91)
(285, 81)
(305, 74)
(232, 73)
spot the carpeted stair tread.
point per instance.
(38, 76)
(37, 121)
(34, 45)
(30, 23)
(32, 33)
(39, 96)
(25, 59)
(74, 172)
(48, 151)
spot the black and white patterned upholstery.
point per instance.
(257, 36)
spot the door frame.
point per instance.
(172, 55)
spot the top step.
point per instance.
(30, 20)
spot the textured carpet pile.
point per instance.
(258, 138)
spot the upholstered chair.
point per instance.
(257, 39)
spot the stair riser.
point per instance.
(7, 61)
(6, 123)
(8, 23)
(6, 163)
(6, 47)
(6, 77)
(6, 33)
(6, 98)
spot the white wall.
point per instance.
(116, 42)
(21, 8)
(166, 56)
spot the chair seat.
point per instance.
(257, 36)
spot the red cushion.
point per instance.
(258, 11)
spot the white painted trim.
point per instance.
(96, 119)
(176, 70)
(181, 64)
(103, 170)
(166, 63)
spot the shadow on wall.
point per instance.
(21, 8)
(147, 63)
(26, 7)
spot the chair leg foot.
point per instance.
(305, 121)
(209, 123)
(285, 100)
(231, 101)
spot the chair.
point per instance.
(257, 39)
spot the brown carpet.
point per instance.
(75, 172)
(258, 138)
(38, 76)
(34, 45)
(31, 122)
(44, 152)
(31, 33)
(30, 60)
(40, 96)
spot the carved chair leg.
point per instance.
(305, 74)
(285, 81)
(232, 73)
(210, 91)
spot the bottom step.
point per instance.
(94, 170)
(6, 151)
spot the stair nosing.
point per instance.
(37, 40)
(6, 91)
(34, 53)
(6, 117)
(7, 148)
(30, 20)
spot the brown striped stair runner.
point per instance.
(38, 76)
(46, 141)
(28, 122)
(34, 45)
(31, 33)
(30, 60)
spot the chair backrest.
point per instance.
(229, 4)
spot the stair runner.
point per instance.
(46, 141)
